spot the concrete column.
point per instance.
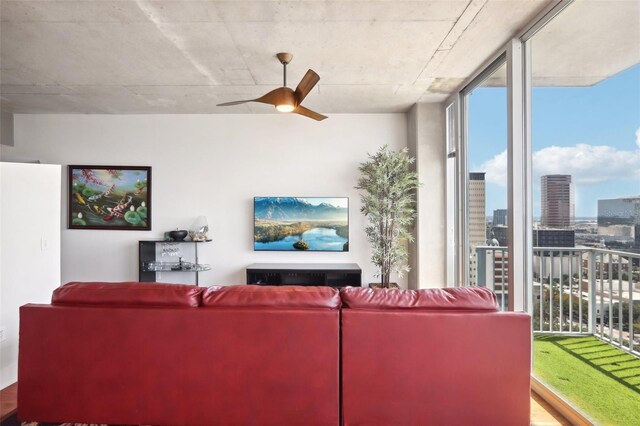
(427, 143)
(6, 128)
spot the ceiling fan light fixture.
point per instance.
(285, 107)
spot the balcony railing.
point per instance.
(575, 291)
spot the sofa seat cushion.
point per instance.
(287, 296)
(127, 294)
(453, 299)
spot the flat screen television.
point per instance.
(301, 224)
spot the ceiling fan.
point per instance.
(286, 99)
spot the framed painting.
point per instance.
(109, 197)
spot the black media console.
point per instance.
(326, 274)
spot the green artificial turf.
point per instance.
(597, 378)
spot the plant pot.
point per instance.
(378, 286)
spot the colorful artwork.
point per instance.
(301, 224)
(110, 197)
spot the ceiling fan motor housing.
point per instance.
(286, 96)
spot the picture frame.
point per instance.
(301, 224)
(109, 197)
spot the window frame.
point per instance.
(516, 53)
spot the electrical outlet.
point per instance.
(2, 335)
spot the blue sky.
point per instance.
(591, 133)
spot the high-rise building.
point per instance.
(500, 217)
(618, 216)
(477, 219)
(501, 234)
(558, 206)
(554, 238)
(477, 209)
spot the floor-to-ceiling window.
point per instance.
(486, 197)
(585, 156)
(558, 142)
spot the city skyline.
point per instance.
(591, 133)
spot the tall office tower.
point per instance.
(500, 217)
(558, 206)
(618, 216)
(477, 219)
(477, 209)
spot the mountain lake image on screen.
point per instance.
(301, 224)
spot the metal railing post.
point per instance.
(630, 277)
(550, 291)
(570, 292)
(561, 292)
(620, 322)
(503, 290)
(610, 279)
(541, 295)
(591, 277)
(580, 300)
(481, 265)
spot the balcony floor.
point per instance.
(542, 414)
(597, 378)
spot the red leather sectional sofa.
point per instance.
(162, 354)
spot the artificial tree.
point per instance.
(388, 200)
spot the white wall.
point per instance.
(30, 247)
(210, 165)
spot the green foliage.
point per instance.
(567, 299)
(142, 211)
(88, 192)
(132, 217)
(341, 230)
(78, 187)
(266, 231)
(388, 201)
(140, 184)
(598, 378)
(575, 301)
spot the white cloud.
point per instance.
(638, 137)
(588, 164)
(496, 169)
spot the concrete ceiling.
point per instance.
(161, 56)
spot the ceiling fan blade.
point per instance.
(236, 102)
(271, 98)
(307, 83)
(308, 113)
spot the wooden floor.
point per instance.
(541, 413)
(8, 401)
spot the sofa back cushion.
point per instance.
(127, 294)
(286, 296)
(456, 299)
